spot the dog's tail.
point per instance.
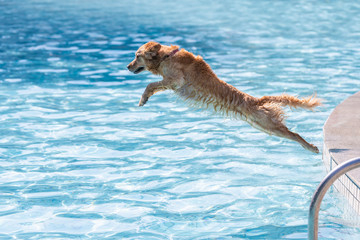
(293, 102)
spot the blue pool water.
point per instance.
(80, 160)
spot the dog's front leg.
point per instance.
(150, 90)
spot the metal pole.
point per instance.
(313, 222)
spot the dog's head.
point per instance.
(146, 57)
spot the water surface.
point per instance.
(80, 160)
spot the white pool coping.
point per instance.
(341, 143)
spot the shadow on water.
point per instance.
(273, 232)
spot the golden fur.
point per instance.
(191, 78)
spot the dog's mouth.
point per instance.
(140, 69)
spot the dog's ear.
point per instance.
(153, 51)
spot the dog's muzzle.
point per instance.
(137, 70)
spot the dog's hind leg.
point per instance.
(269, 119)
(284, 132)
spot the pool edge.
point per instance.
(341, 133)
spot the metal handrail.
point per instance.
(313, 221)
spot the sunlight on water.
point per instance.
(80, 160)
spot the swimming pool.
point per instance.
(80, 160)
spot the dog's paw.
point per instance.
(315, 149)
(142, 101)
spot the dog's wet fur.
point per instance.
(191, 78)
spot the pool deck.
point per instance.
(341, 143)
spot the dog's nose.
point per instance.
(128, 66)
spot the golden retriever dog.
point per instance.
(191, 78)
